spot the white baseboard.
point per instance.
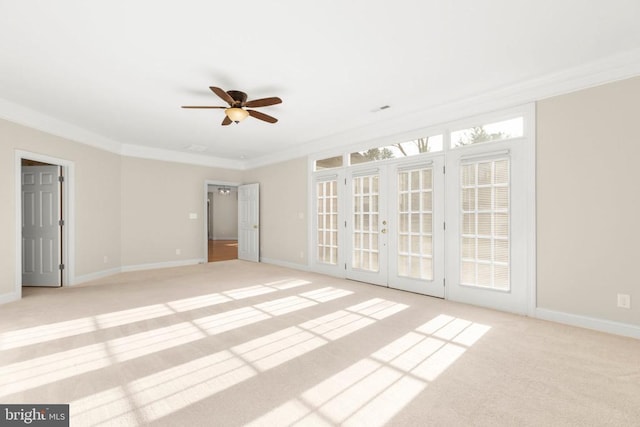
(106, 273)
(168, 264)
(601, 325)
(9, 297)
(286, 264)
(95, 276)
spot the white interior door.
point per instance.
(41, 233)
(249, 222)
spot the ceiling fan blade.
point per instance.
(226, 121)
(263, 102)
(222, 94)
(262, 116)
(198, 106)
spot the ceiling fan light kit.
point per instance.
(237, 100)
(236, 114)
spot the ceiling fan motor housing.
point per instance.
(238, 96)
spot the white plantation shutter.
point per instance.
(365, 243)
(415, 219)
(485, 217)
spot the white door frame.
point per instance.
(528, 111)
(68, 208)
(207, 183)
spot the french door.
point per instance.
(387, 224)
(455, 218)
(394, 226)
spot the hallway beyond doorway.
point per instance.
(222, 250)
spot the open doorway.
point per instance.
(222, 222)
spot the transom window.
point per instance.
(429, 144)
(506, 129)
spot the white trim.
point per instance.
(311, 215)
(9, 297)
(34, 119)
(601, 325)
(68, 208)
(615, 67)
(97, 275)
(471, 158)
(158, 265)
(139, 151)
(285, 264)
(530, 126)
(526, 145)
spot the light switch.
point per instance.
(193, 215)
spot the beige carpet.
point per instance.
(235, 343)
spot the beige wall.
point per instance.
(131, 211)
(97, 194)
(283, 210)
(588, 202)
(157, 198)
(136, 211)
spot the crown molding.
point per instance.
(28, 117)
(139, 151)
(615, 67)
(33, 119)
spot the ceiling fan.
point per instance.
(237, 101)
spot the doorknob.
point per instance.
(383, 231)
(384, 222)
(255, 226)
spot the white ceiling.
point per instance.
(115, 73)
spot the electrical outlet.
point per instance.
(624, 300)
(106, 259)
(301, 254)
(178, 251)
